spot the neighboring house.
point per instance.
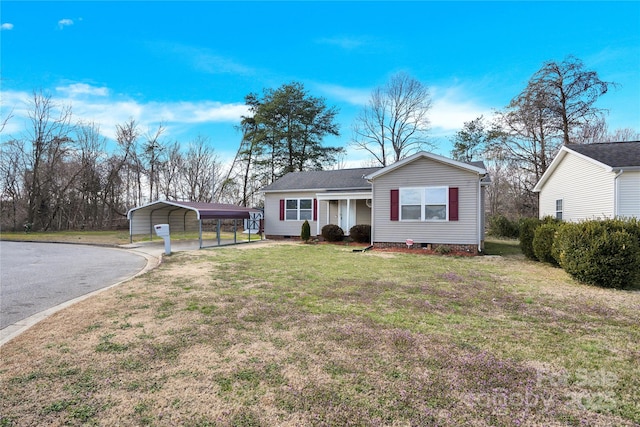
(592, 181)
(429, 199)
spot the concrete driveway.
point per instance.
(37, 279)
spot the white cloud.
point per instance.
(204, 59)
(452, 107)
(93, 104)
(64, 23)
(7, 26)
(359, 97)
(77, 89)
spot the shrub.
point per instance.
(501, 226)
(543, 238)
(305, 233)
(361, 233)
(602, 253)
(527, 228)
(332, 233)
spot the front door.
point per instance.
(347, 215)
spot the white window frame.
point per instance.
(423, 203)
(560, 212)
(298, 210)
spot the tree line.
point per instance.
(61, 175)
(66, 175)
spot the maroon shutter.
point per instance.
(453, 203)
(281, 209)
(315, 209)
(395, 205)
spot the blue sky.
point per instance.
(189, 65)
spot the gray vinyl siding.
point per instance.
(629, 194)
(586, 190)
(363, 212)
(272, 224)
(425, 172)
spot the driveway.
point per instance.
(37, 277)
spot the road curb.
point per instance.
(14, 330)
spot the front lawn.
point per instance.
(294, 334)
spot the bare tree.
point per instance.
(152, 152)
(571, 94)
(12, 183)
(532, 131)
(88, 208)
(622, 135)
(49, 144)
(127, 136)
(170, 172)
(394, 123)
(201, 171)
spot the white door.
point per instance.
(347, 215)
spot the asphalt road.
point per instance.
(37, 276)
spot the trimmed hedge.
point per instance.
(602, 253)
(332, 233)
(527, 233)
(543, 238)
(360, 233)
(528, 228)
(501, 226)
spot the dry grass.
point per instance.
(318, 335)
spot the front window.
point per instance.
(410, 204)
(436, 203)
(424, 204)
(298, 209)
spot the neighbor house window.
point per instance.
(424, 204)
(298, 209)
(559, 209)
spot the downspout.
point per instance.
(480, 213)
(373, 217)
(131, 227)
(616, 198)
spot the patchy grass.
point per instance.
(120, 237)
(502, 247)
(296, 334)
(111, 238)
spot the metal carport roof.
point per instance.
(181, 216)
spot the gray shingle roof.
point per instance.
(613, 154)
(341, 179)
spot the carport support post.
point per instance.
(199, 232)
(235, 230)
(218, 232)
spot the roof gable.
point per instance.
(341, 179)
(609, 156)
(477, 167)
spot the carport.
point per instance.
(184, 217)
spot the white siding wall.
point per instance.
(629, 194)
(272, 224)
(421, 173)
(587, 190)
